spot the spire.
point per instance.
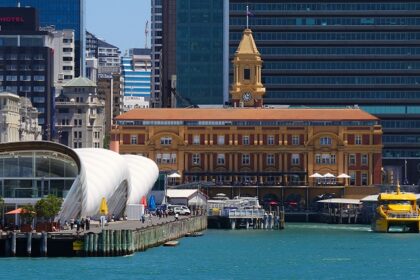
(247, 44)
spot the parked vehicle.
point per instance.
(182, 210)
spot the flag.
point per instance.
(249, 13)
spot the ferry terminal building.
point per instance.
(251, 145)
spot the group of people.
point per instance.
(79, 224)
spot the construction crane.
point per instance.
(146, 33)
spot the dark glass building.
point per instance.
(63, 14)
(26, 63)
(342, 53)
(199, 50)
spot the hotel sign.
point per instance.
(18, 19)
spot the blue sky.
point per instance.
(120, 23)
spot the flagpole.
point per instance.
(247, 16)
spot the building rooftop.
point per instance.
(80, 82)
(258, 114)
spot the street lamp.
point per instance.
(405, 173)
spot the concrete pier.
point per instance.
(119, 239)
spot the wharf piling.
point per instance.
(107, 242)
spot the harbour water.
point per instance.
(301, 251)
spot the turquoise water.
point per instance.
(301, 251)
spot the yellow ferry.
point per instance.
(397, 209)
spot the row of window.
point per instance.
(245, 123)
(324, 21)
(321, 6)
(245, 159)
(357, 80)
(25, 67)
(401, 139)
(342, 65)
(330, 36)
(363, 178)
(410, 124)
(364, 159)
(341, 50)
(22, 78)
(387, 153)
(13, 56)
(165, 158)
(14, 89)
(344, 94)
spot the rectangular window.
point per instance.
(173, 158)
(220, 139)
(245, 140)
(247, 74)
(196, 159)
(80, 144)
(158, 158)
(270, 159)
(196, 140)
(166, 158)
(75, 145)
(295, 140)
(80, 134)
(333, 161)
(220, 159)
(325, 141)
(245, 159)
(352, 175)
(318, 159)
(75, 122)
(352, 159)
(75, 134)
(133, 139)
(295, 159)
(358, 140)
(166, 140)
(365, 159)
(270, 139)
(364, 179)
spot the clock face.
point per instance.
(247, 96)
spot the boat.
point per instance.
(397, 209)
(171, 243)
(194, 234)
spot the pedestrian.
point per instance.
(71, 224)
(176, 217)
(88, 223)
(77, 225)
(143, 219)
(82, 224)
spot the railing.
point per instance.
(402, 215)
(243, 213)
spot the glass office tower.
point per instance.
(199, 51)
(341, 53)
(63, 14)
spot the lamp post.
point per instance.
(405, 172)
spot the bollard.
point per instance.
(29, 244)
(13, 244)
(44, 244)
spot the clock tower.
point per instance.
(247, 88)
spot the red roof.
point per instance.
(257, 114)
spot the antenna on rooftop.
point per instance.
(146, 33)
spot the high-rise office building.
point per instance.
(63, 14)
(156, 38)
(341, 53)
(136, 73)
(26, 63)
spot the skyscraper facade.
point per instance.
(199, 51)
(136, 73)
(341, 53)
(63, 14)
(156, 38)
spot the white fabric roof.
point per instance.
(180, 193)
(121, 179)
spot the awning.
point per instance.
(316, 175)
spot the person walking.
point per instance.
(77, 225)
(176, 217)
(71, 224)
(82, 224)
(88, 223)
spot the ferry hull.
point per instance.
(383, 225)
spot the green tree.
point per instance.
(28, 214)
(48, 207)
(106, 141)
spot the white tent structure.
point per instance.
(120, 179)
